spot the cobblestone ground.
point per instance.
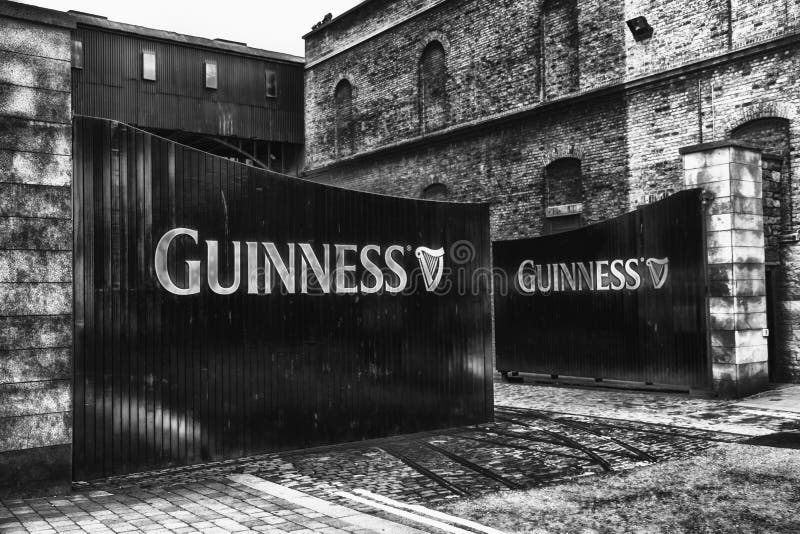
(753, 416)
(541, 435)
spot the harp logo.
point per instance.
(659, 271)
(431, 262)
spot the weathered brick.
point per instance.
(517, 100)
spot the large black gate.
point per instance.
(339, 325)
(624, 299)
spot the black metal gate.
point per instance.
(624, 299)
(163, 378)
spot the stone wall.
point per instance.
(709, 72)
(35, 251)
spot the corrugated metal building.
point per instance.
(219, 96)
(225, 98)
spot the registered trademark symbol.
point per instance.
(642, 259)
(408, 248)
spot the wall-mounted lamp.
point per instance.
(640, 28)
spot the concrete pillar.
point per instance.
(730, 172)
(35, 251)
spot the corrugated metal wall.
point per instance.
(649, 334)
(163, 380)
(110, 85)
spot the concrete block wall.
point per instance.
(35, 252)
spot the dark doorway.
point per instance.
(770, 286)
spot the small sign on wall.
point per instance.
(644, 199)
(563, 210)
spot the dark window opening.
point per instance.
(556, 225)
(773, 135)
(435, 191)
(563, 181)
(433, 87)
(563, 186)
(343, 124)
(272, 83)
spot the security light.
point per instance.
(640, 28)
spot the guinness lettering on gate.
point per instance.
(601, 275)
(295, 262)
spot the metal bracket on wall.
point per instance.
(793, 237)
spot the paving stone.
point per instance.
(542, 435)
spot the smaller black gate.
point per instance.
(624, 299)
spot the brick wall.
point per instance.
(707, 71)
(364, 21)
(485, 75)
(502, 68)
(559, 28)
(505, 166)
(35, 252)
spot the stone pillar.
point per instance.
(730, 172)
(35, 251)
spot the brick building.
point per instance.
(560, 103)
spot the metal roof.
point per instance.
(224, 45)
(70, 19)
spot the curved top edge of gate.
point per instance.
(686, 192)
(275, 174)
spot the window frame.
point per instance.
(145, 55)
(274, 85)
(344, 130)
(432, 88)
(435, 191)
(76, 53)
(206, 64)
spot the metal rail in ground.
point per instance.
(454, 488)
(564, 439)
(637, 452)
(521, 447)
(475, 467)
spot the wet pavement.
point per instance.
(541, 435)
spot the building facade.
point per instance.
(225, 98)
(219, 96)
(563, 113)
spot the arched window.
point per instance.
(772, 134)
(563, 186)
(559, 42)
(432, 87)
(343, 104)
(435, 191)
